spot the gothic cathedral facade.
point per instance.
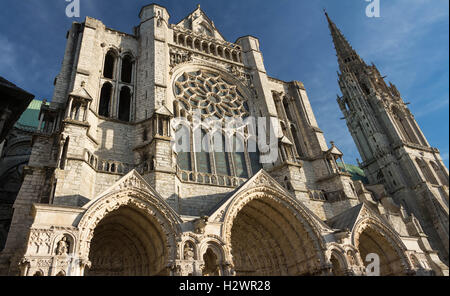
(106, 193)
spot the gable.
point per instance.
(198, 22)
(132, 180)
(81, 92)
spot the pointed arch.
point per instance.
(127, 68)
(371, 236)
(262, 227)
(403, 126)
(110, 64)
(133, 213)
(443, 177)
(426, 171)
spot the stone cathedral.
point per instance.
(105, 193)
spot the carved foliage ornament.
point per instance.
(178, 56)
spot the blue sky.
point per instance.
(409, 43)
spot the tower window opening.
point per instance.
(127, 69)
(110, 61)
(124, 104)
(105, 99)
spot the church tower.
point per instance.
(394, 150)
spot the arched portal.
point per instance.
(268, 239)
(337, 268)
(373, 240)
(127, 242)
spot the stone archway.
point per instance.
(339, 264)
(128, 232)
(127, 242)
(373, 239)
(269, 236)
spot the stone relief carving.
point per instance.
(189, 253)
(200, 224)
(351, 258)
(63, 247)
(244, 77)
(178, 56)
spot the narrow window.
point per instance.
(220, 51)
(160, 126)
(239, 157)
(105, 98)
(124, 104)
(197, 45)
(127, 69)
(203, 154)
(287, 110)
(254, 155)
(297, 141)
(426, 171)
(227, 54)
(220, 155)
(235, 58)
(189, 42)
(184, 156)
(439, 173)
(212, 49)
(110, 61)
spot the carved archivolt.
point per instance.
(297, 230)
(296, 208)
(381, 229)
(152, 206)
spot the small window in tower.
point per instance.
(239, 156)
(105, 98)
(127, 69)
(110, 61)
(124, 104)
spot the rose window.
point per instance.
(210, 94)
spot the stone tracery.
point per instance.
(209, 93)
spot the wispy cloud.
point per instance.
(432, 106)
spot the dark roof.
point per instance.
(16, 100)
(346, 219)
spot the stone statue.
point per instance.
(63, 247)
(351, 258)
(200, 224)
(188, 251)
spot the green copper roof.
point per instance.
(30, 117)
(356, 172)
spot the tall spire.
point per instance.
(344, 50)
